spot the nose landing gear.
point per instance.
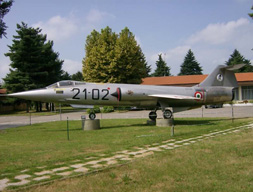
(92, 116)
(152, 115)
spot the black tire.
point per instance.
(152, 115)
(167, 114)
(92, 116)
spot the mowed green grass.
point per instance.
(47, 144)
(223, 163)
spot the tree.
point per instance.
(78, 76)
(99, 49)
(237, 58)
(130, 65)
(65, 76)
(4, 9)
(34, 64)
(113, 58)
(251, 14)
(190, 66)
(161, 68)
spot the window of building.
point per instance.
(247, 93)
(236, 94)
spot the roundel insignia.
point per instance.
(219, 77)
(198, 95)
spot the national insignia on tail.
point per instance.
(198, 95)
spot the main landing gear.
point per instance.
(167, 114)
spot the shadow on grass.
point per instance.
(195, 122)
(122, 126)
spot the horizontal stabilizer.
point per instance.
(234, 67)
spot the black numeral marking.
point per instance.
(107, 93)
(75, 96)
(95, 94)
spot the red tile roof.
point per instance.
(189, 79)
(242, 77)
(2, 91)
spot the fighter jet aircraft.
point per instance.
(216, 88)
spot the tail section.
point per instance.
(222, 76)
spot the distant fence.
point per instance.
(8, 108)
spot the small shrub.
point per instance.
(107, 109)
(96, 109)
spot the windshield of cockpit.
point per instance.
(65, 84)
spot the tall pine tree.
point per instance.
(190, 66)
(78, 76)
(237, 58)
(4, 9)
(115, 58)
(161, 68)
(251, 14)
(34, 64)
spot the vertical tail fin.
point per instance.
(222, 76)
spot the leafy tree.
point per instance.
(34, 64)
(4, 9)
(237, 58)
(78, 76)
(251, 14)
(130, 65)
(161, 68)
(113, 58)
(99, 55)
(190, 66)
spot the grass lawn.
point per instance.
(47, 145)
(220, 164)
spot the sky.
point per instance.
(211, 29)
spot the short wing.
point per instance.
(82, 106)
(168, 96)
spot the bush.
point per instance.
(96, 109)
(108, 109)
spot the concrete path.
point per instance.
(85, 166)
(15, 121)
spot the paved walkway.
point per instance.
(16, 121)
(85, 166)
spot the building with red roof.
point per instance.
(243, 92)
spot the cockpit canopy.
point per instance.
(66, 83)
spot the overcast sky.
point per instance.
(212, 29)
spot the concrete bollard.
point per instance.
(164, 122)
(151, 122)
(83, 118)
(91, 124)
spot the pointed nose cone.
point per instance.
(35, 95)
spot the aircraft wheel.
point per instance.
(167, 114)
(92, 116)
(152, 115)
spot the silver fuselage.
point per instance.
(126, 94)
